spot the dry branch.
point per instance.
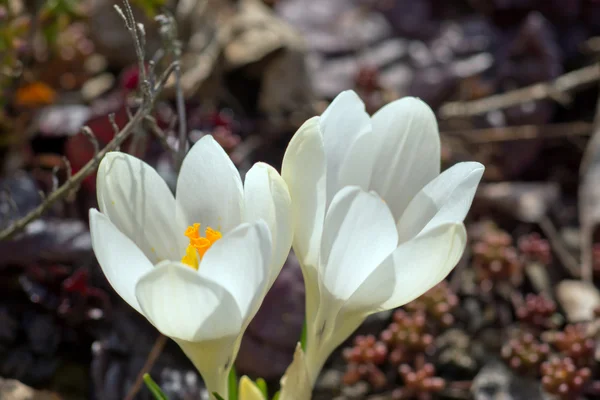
(149, 94)
(556, 89)
(522, 132)
(157, 348)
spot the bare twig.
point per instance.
(76, 179)
(12, 205)
(559, 247)
(587, 185)
(169, 35)
(87, 132)
(523, 132)
(157, 348)
(153, 127)
(555, 89)
(113, 123)
(135, 33)
(149, 95)
(181, 119)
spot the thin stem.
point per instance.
(155, 352)
(181, 118)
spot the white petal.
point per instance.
(375, 290)
(303, 170)
(359, 233)
(184, 305)
(240, 263)
(138, 201)
(447, 198)
(121, 260)
(408, 155)
(425, 261)
(357, 166)
(209, 187)
(341, 124)
(266, 197)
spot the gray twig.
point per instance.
(172, 44)
(557, 90)
(149, 95)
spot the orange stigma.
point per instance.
(198, 245)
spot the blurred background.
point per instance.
(514, 84)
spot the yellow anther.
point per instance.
(213, 235)
(192, 231)
(198, 245)
(191, 257)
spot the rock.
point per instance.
(455, 354)
(50, 239)
(61, 120)
(330, 380)
(497, 382)
(97, 86)
(11, 389)
(578, 299)
(356, 391)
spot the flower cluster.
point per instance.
(537, 311)
(575, 342)
(407, 335)
(561, 377)
(363, 360)
(221, 243)
(535, 248)
(524, 353)
(495, 259)
(438, 304)
(418, 384)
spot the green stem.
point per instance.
(214, 360)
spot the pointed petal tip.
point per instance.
(350, 95)
(205, 141)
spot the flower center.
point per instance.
(198, 244)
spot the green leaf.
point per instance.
(262, 386)
(303, 336)
(150, 7)
(233, 384)
(218, 396)
(276, 396)
(154, 388)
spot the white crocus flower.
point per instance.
(376, 224)
(197, 265)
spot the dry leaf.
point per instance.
(11, 389)
(578, 299)
(35, 94)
